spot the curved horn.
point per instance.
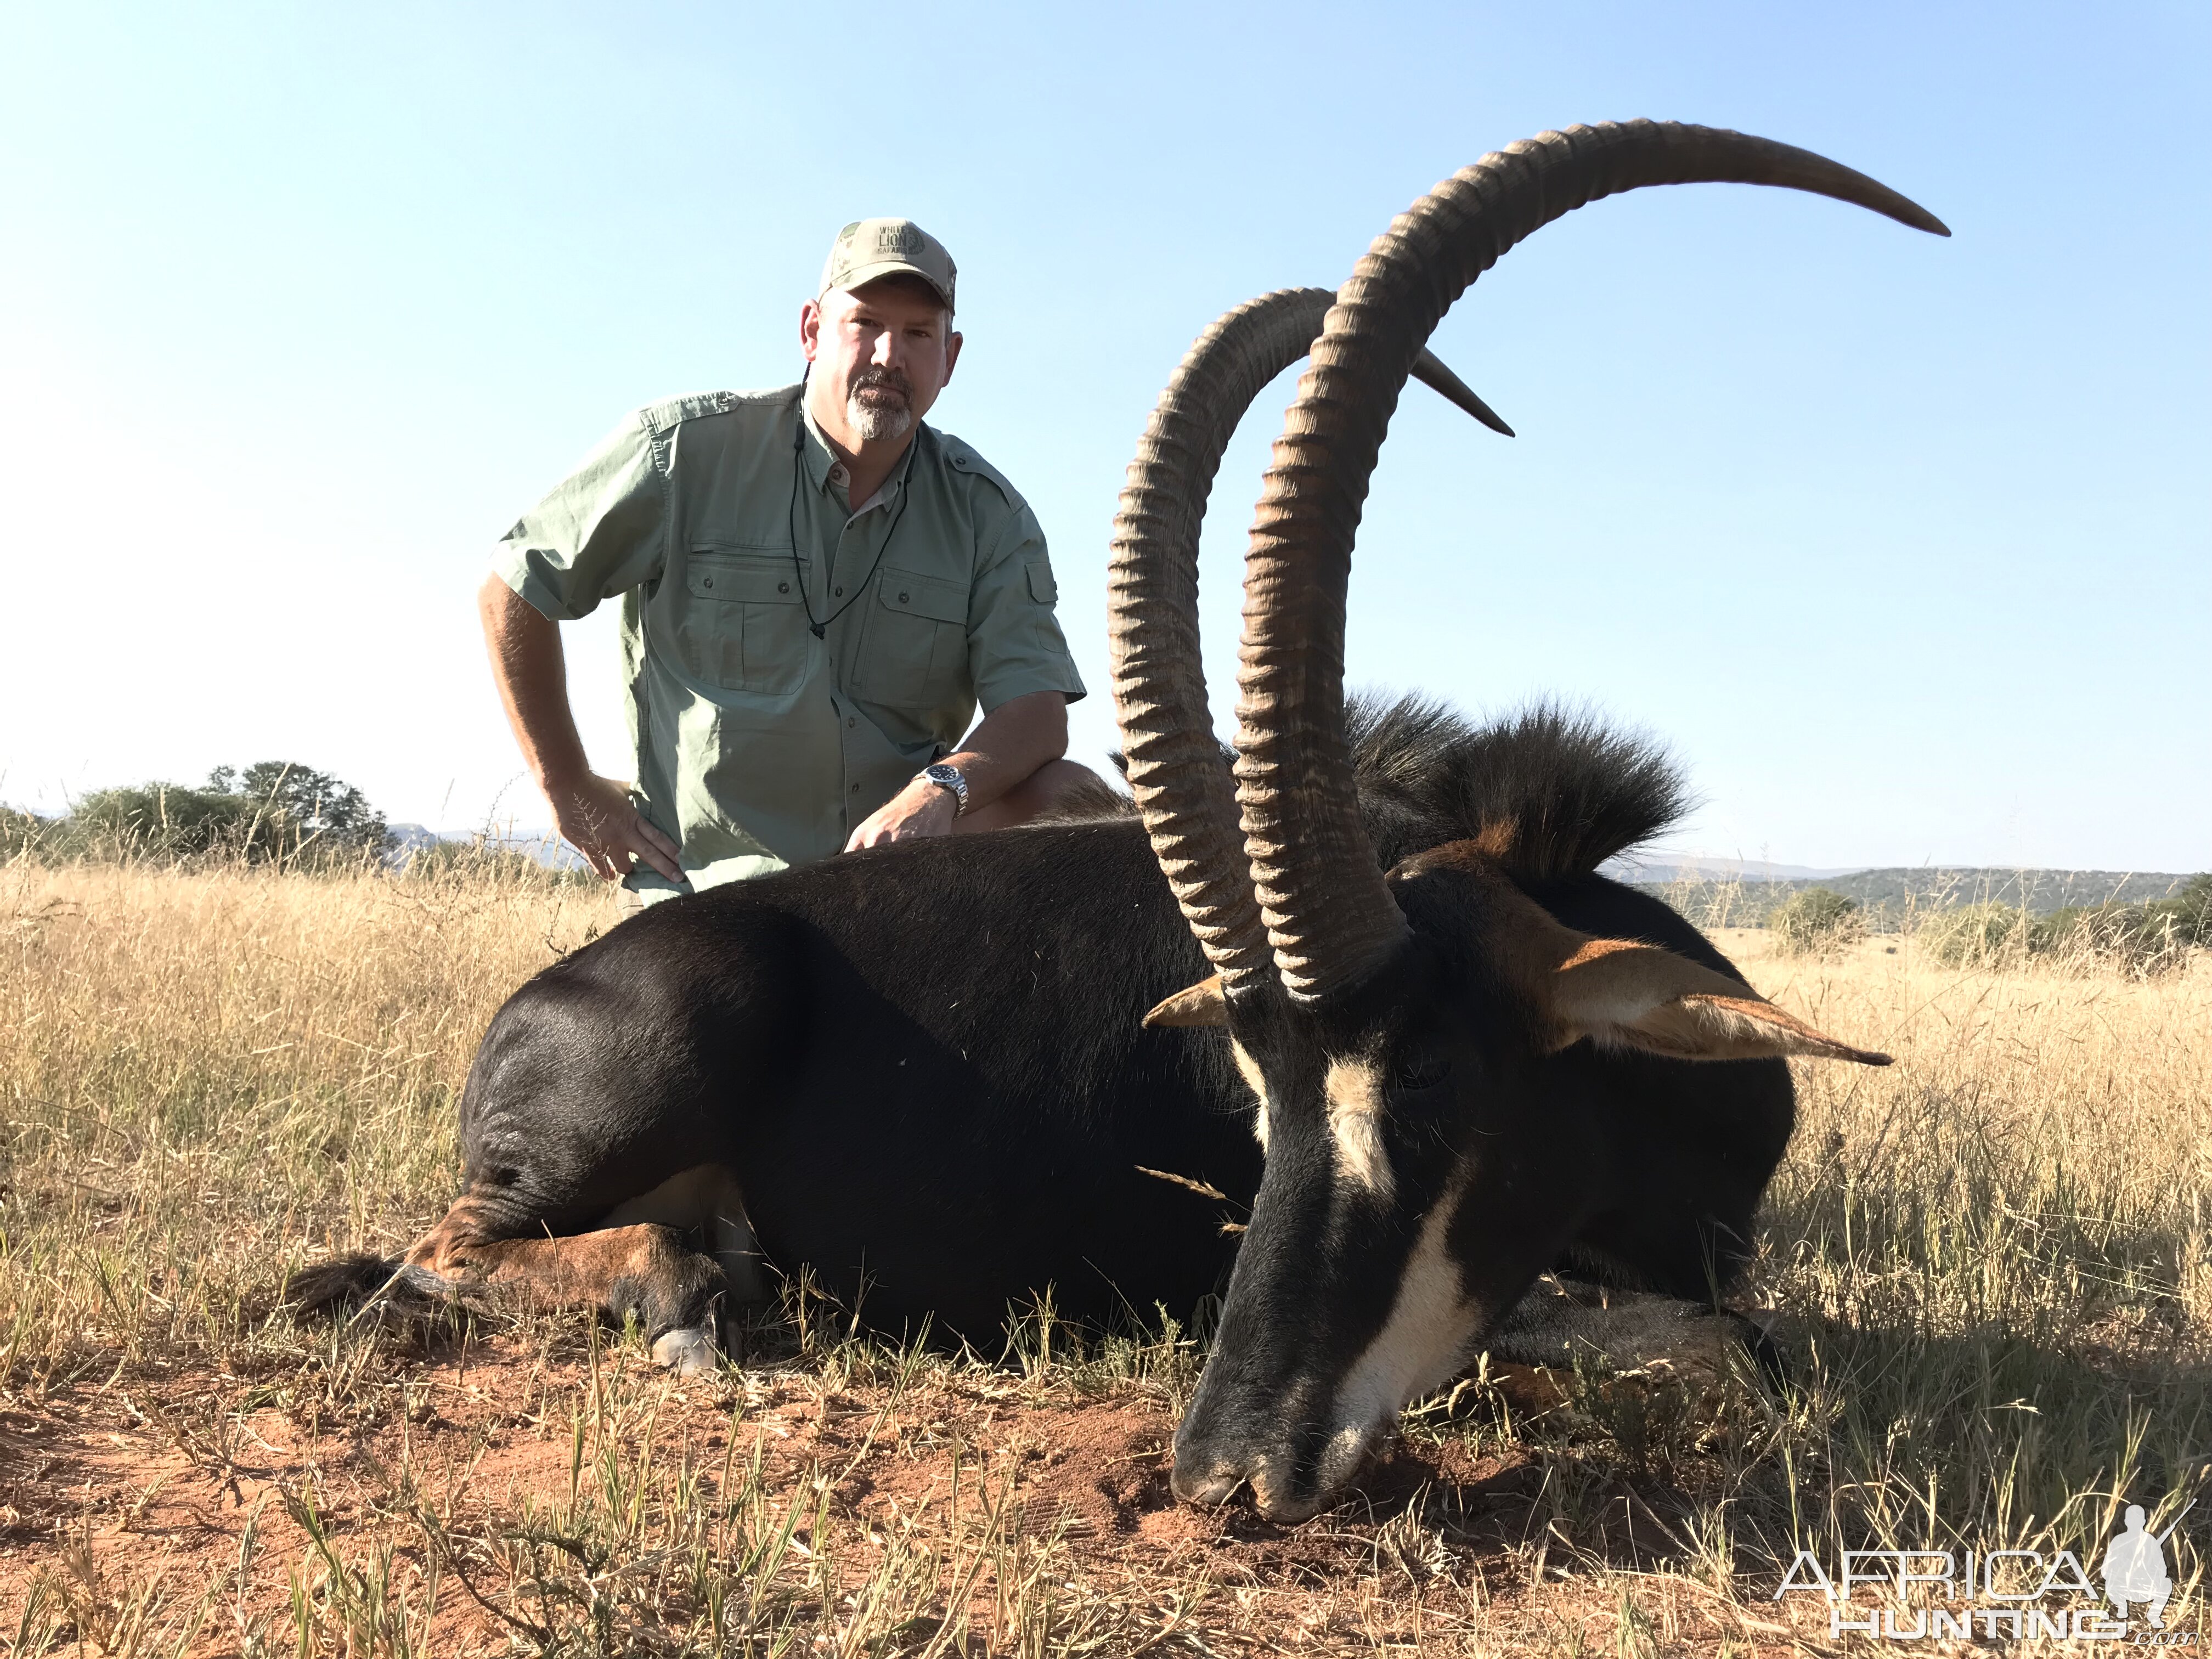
(1447, 385)
(1329, 917)
(1182, 789)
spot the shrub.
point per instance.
(153, 820)
(1975, 935)
(2189, 911)
(20, 833)
(2141, 937)
(1815, 920)
(273, 811)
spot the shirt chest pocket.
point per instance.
(743, 626)
(916, 652)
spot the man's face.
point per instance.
(883, 352)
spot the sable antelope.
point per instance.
(1450, 1052)
(925, 1071)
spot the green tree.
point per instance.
(308, 805)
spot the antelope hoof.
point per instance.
(689, 1351)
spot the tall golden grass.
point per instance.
(1987, 1265)
(210, 1075)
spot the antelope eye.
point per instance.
(1413, 1072)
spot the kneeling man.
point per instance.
(817, 590)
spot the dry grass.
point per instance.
(1988, 1264)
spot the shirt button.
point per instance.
(901, 598)
(840, 592)
(856, 788)
(706, 581)
(781, 587)
(852, 720)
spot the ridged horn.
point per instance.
(1182, 789)
(1330, 920)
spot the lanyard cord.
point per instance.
(791, 520)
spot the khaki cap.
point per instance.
(870, 248)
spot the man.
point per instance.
(816, 592)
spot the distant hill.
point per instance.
(548, 849)
(1691, 866)
(1889, 895)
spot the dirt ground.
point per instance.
(217, 1511)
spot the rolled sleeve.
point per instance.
(602, 531)
(1014, 643)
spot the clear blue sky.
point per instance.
(1903, 544)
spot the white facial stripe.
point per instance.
(1248, 1068)
(1419, 1346)
(1354, 1088)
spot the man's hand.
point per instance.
(595, 816)
(1014, 740)
(922, 808)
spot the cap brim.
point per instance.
(860, 275)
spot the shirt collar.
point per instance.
(824, 469)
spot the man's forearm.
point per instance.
(532, 675)
(1014, 740)
(594, 815)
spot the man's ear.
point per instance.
(1620, 994)
(1201, 1005)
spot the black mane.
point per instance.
(1546, 792)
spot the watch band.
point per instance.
(948, 777)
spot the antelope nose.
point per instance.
(1209, 1487)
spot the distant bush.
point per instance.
(155, 820)
(20, 833)
(1975, 935)
(1815, 920)
(2190, 908)
(2142, 938)
(274, 810)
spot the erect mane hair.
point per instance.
(1544, 792)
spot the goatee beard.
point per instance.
(874, 422)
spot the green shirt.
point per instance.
(721, 520)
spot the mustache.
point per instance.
(887, 379)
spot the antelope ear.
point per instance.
(1201, 1005)
(1637, 996)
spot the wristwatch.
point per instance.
(948, 777)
